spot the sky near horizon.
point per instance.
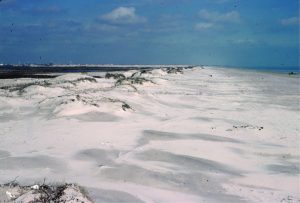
(210, 32)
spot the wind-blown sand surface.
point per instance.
(207, 135)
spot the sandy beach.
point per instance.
(201, 135)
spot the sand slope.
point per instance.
(207, 135)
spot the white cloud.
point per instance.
(123, 15)
(229, 17)
(203, 26)
(290, 21)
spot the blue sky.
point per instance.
(212, 32)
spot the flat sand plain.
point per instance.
(204, 135)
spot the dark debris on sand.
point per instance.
(69, 193)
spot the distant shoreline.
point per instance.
(280, 70)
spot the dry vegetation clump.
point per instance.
(45, 193)
(248, 127)
(44, 83)
(134, 79)
(124, 105)
(84, 79)
(140, 73)
(78, 98)
(20, 87)
(175, 70)
(132, 82)
(146, 72)
(115, 76)
(70, 98)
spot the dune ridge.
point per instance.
(199, 134)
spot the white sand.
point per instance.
(208, 135)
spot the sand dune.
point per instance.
(197, 135)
